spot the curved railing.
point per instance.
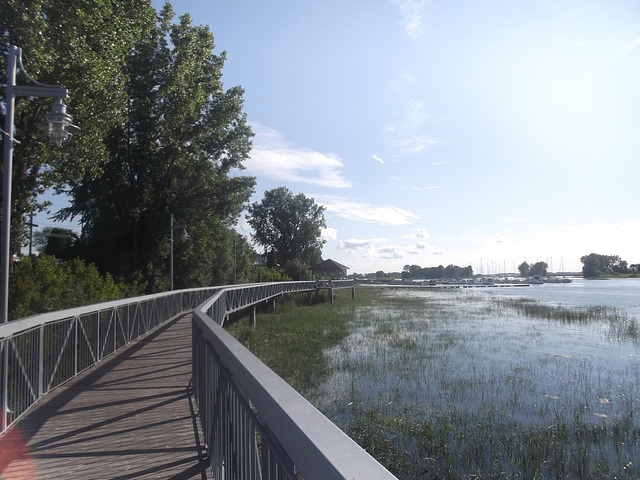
(256, 426)
(39, 353)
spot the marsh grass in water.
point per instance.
(450, 384)
(292, 339)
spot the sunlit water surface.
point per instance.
(466, 355)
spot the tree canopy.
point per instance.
(451, 272)
(57, 242)
(538, 269)
(83, 46)
(172, 154)
(288, 226)
(596, 265)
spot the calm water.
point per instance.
(622, 293)
(495, 387)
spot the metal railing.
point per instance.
(256, 426)
(39, 353)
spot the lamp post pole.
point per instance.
(171, 255)
(183, 236)
(58, 127)
(7, 173)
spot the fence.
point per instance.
(255, 425)
(39, 353)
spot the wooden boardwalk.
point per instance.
(130, 417)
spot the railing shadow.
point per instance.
(133, 400)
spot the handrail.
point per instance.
(257, 426)
(41, 352)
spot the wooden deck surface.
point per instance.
(132, 416)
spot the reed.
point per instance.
(451, 384)
(292, 339)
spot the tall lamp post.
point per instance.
(183, 236)
(58, 126)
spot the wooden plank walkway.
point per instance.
(130, 417)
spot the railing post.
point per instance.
(95, 335)
(252, 317)
(41, 361)
(128, 333)
(4, 388)
(353, 293)
(75, 345)
(331, 295)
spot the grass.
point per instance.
(461, 385)
(292, 339)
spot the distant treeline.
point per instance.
(596, 265)
(451, 271)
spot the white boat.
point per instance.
(557, 280)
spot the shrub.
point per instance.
(38, 285)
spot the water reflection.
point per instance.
(473, 364)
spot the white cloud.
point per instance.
(391, 252)
(416, 114)
(407, 137)
(416, 188)
(418, 233)
(329, 233)
(375, 157)
(502, 240)
(413, 13)
(416, 144)
(421, 233)
(366, 247)
(364, 212)
(360, 243)
(274, 157)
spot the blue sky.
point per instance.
(444, 132)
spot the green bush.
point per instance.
(38, 285)
(273, 275)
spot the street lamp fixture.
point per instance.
(58, 126)
(183, 236)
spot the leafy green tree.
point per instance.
(411, 271)
(183, 136)
(538, 269)
(620, 266)
(273, 275)
(593, 265)
(288, 226)
(596, 265)
(83, 46)
(57, 242)
(524, 269)
(456, 272)
(38, 285)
